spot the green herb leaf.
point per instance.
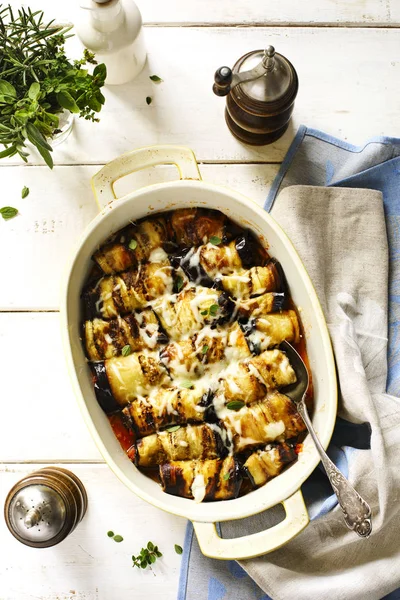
(226, 476)
(149, 99)
(133, 244)
(8, 212)
(152, 558)
(214, 239)
(67, 101)
(204, 349)
(179, 283)
(25, 192)
(36, 138)
(100, 71)
(173, 428)
(110, 533)
(150, 546)
(156, 78)
(178, 549)
(126, 350)
(118, 538)
(7, 89)
(186, 384)
(213, 309)
(204, 312)
(45, 154)
(34, 90)
(235, 404)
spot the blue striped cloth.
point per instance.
(315, 158)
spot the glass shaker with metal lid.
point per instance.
(261, 90)
(45, 506)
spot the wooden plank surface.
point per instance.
(348, 87)
(347, 13)
(88, 565)
(36, 244)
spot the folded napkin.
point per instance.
(340, 236)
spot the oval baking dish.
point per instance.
(190, 191)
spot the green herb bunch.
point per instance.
(38, 81)
(147, 556)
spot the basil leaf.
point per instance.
(156, 78)
(100, 71)
(204, 312)
(235, 404)
(179, 283)
(150, 546)
(149, 99)
(226, 476)
(204, 349)
(213, 309)
(133, 244)
(214, 239)
(126, 350)
(25, 192)
(118, 538)
(34, 90)
(186, 384)
(110, 533)
(173, 428)
(6, 89)
(67, 101)
(178, 549)
(8, 212)
(152, 558)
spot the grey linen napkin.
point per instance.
(340, 236)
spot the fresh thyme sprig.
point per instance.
(147, 556)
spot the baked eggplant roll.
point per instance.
(195, 226)
(184, 315)
(194, 356)
(276, 418)
(271, 330)
(202, 479)
(262, 305)
(134, 245)
(251, 379)
(105, 339)
(125, 377)
(166, 406)
(121, 294)
(254, 282)
(263, 465)
(186, 443)
(190, 310)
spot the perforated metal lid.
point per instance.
(36, 513)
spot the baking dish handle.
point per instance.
(180, 156)
(255, 544)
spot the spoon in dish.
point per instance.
(357, 513)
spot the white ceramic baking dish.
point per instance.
(190, 191)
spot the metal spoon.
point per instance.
(357, 513)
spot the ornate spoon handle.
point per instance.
(357, 513)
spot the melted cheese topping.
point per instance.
(214, 356)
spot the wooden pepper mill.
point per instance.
(261, 90)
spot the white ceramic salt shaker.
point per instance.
(112, 29)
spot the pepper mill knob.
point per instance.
(222, 81)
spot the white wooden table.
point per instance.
(347, 56)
